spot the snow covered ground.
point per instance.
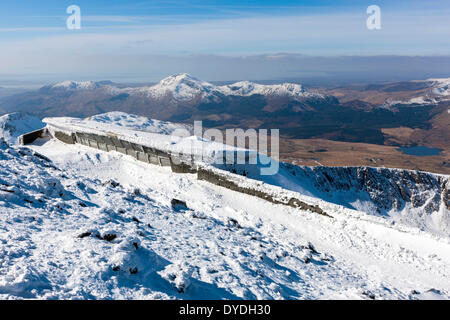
(441, 86)
(80, 223)
(439, 90)
(408, 197)
(134, 122)
(15, 124)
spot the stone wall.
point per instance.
(180, 164)
(110, 143)
(212, 176)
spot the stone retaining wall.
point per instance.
(224, 181)
(178, 163)
(109, 143)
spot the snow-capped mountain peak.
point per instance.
(184, 87)
(182, 78)
(80, 85)
(245, 88)
(441, 86)
(75, 85)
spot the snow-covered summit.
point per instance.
(246, 88)
(75, 85)
(186, 87)
(440, 86)
(181, 87)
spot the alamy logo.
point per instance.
(374, 20)
(235, 147)
(73, 22)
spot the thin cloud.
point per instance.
(134, 50)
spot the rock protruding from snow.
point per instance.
(178, 205)
(186, 87)
(179, 275)
(409, 197)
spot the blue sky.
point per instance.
(126, 13)
(134, 38)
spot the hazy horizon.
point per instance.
(145, 41)
(312, 70)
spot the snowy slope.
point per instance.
(83, 223)
(438, 90)
(412, 198)
(75, 85)
(56, 223)
(15, 124)
(134, 122)
(441, 86)
(409, 197)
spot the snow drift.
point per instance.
(15, 124)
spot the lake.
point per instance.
(420, 151)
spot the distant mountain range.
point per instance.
(183, 87)
(295, 110)
(179, 97)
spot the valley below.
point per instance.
(313, 152)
